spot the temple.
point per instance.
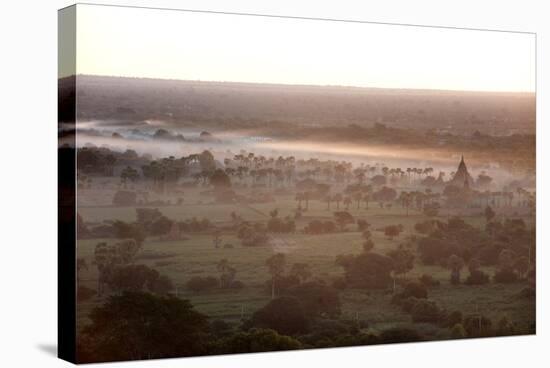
(462, 177)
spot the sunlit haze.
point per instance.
(135, 42)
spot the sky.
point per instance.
(169, 44)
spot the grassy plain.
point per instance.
(196, 256)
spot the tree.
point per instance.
(256, 340)
(138, 325)
(455, 264)
(317, 298)
(366, 270)
(220, 180)
(391, 231)
(362, 225)
(227, 276)
(276, 265)
(343, 218)
(347, 202)
(403, 261)
(476, 276)
(129, 174)
(368, 244)
(489, 214)
(300, 271)
(285, 315)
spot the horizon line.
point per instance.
(342, 86)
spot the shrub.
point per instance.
(428, 281)
(505, 327)
(477, 277)
(453, 318)
(406, 304)
(425, 310)
(367, 270)
(478, 326)
(277, 225)
(199, 283)
(425, 227)
(458, 331)
(398, 334)
(284, 315)
(411, 289)
(256, 340)
(317, 298)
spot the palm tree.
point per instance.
(328, 199)
(337, 198)
(366, 199)
(347, 202)
(358, 197)
(276, 265)
(299, 198)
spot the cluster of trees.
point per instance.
(252, 235)
(413, 299)
(454, 244)
(138, 325)
(225, 280)
(278, 225)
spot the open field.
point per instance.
(195, 255)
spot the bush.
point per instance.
(406, 304)
(478, 326)
(199, 283)
(458, 331)
(425, 310)
(505, 276)
(256, 340)
(367, 270)
(453, 318)
(411, 289)
(505, 327)
(428, 281)
(398, 334)
(277, 225)
(317, 298)
(477, 277)
(284, 315)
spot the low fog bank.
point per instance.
(159, 139)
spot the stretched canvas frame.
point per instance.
(207, 214)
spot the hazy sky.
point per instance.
(220, 47)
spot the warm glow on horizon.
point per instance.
(134, 42)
